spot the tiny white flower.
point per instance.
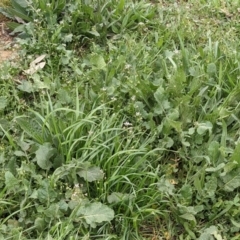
(90, 133)
(127, 124)
(127, 66)
(176, 51)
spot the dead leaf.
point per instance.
(36, 65)
(38, 59)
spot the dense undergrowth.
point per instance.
(120, 120)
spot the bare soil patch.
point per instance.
(6, 43)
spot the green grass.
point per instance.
(129, 129)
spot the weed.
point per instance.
(121, 122)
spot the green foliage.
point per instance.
(120, 121)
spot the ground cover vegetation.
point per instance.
(120, 120)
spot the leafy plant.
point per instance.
(122, 123)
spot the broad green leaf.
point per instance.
(213, 150)
(43, 155)
(38, 84)
(169, 54)
(39, 223)
(191, 131)
(46, 193)
(22, 3)
(159, 95)
(10, 180)
(175, 124)
(94, 32)
(236, 224)
(63, 206)
(63, 96)
(68, 37)
(3, 102)
(215, 169)
(2, 158)
(210, 233)
(210, 186)
(211, 68)
(206, 236)
(193, 71)
(26, 86)
(19, 153)
(232, 180)
(98, 61)
(236, 154)
(116, 197)
(188, 216)
(174, 114)
(186, 193)
(52, 211)
(95, 213)
(203, 127)
(165, 186)
(91, 174)
(28, 126)
(34, 194)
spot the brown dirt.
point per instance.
(6, 42)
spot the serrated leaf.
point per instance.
(43, 155)
(95, 213)
(91, 174)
